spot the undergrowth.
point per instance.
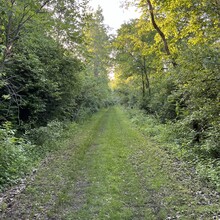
(170, 137)
(15, 159)
(19, 155)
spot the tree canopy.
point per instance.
(172, 51)
(44, 59)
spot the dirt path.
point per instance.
(108, 170)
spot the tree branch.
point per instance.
(162, 35)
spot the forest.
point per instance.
(54, 64)
(55, 60)
(167, 64)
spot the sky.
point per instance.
(114, 15)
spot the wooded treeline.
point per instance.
(167, 63)
(48, 48)
(54, 58)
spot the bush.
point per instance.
(210, 171)
(45, 138)
(18, 156)
(14, 155)
(178, 138)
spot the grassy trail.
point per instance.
(108, 170)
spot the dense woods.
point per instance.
(54, 60)
(167, 63)
(55, 56)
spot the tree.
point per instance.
(186, 31)
(157, 28)
(133, 54)
(97, 44)
(95, 92)
(16, 14)
(36, 71)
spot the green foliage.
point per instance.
(198, 97)
(173, 138)
(159, 103)
(210, 171)
(41, 88)
(151, 126)
(45, 81)
(19, 155)
(45, 138)
(187, 93)
(97, 44)
(47, 75)
(14, 155)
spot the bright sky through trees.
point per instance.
(114, 14)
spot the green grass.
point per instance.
(109, 170)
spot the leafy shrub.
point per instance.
(210, 171)
(19, 155)
(178, 138)
(45, 138)
(14, 155)
(151, 126)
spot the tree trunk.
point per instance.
(162, 35)
(146, 77)
(143, 86)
